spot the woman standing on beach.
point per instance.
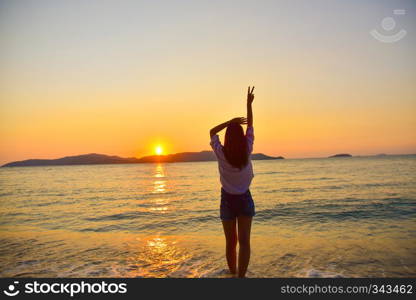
(236, 173)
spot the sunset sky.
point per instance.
(120, 77)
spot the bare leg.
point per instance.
(230, 231)
(244, 228)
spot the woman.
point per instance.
(236, 173)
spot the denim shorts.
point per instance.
(233, 206)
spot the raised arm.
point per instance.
(250, 99)
(220, 127)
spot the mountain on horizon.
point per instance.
(95, 159)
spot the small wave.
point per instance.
(319, 211)
(27, 262)
(293, 190)
(6, 194)
(103, 229)
(192, 223)
(269, 173)
(122, 216)
(313, 273)
(47, 203)
(330, 187)
(170, 225)
(11, 214)
(284, 190)
(311, 179)
(218, 273)
(270, 191)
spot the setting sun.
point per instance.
(158, 150)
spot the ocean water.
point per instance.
(340, 217)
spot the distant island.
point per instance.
(341, 155)
(95, 159)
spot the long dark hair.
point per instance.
(235, 146)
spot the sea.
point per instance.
(322, 217)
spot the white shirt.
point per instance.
(234, 180)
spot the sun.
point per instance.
(159, 150)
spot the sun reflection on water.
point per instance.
(159, 187)
(159, 183)
(159, 209)
(160, 255)
(160, 172)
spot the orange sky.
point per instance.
(80, 77)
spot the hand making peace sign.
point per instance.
(250, 95)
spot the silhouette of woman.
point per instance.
(236, 172)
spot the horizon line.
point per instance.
(164, 155)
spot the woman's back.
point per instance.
(234, 180)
